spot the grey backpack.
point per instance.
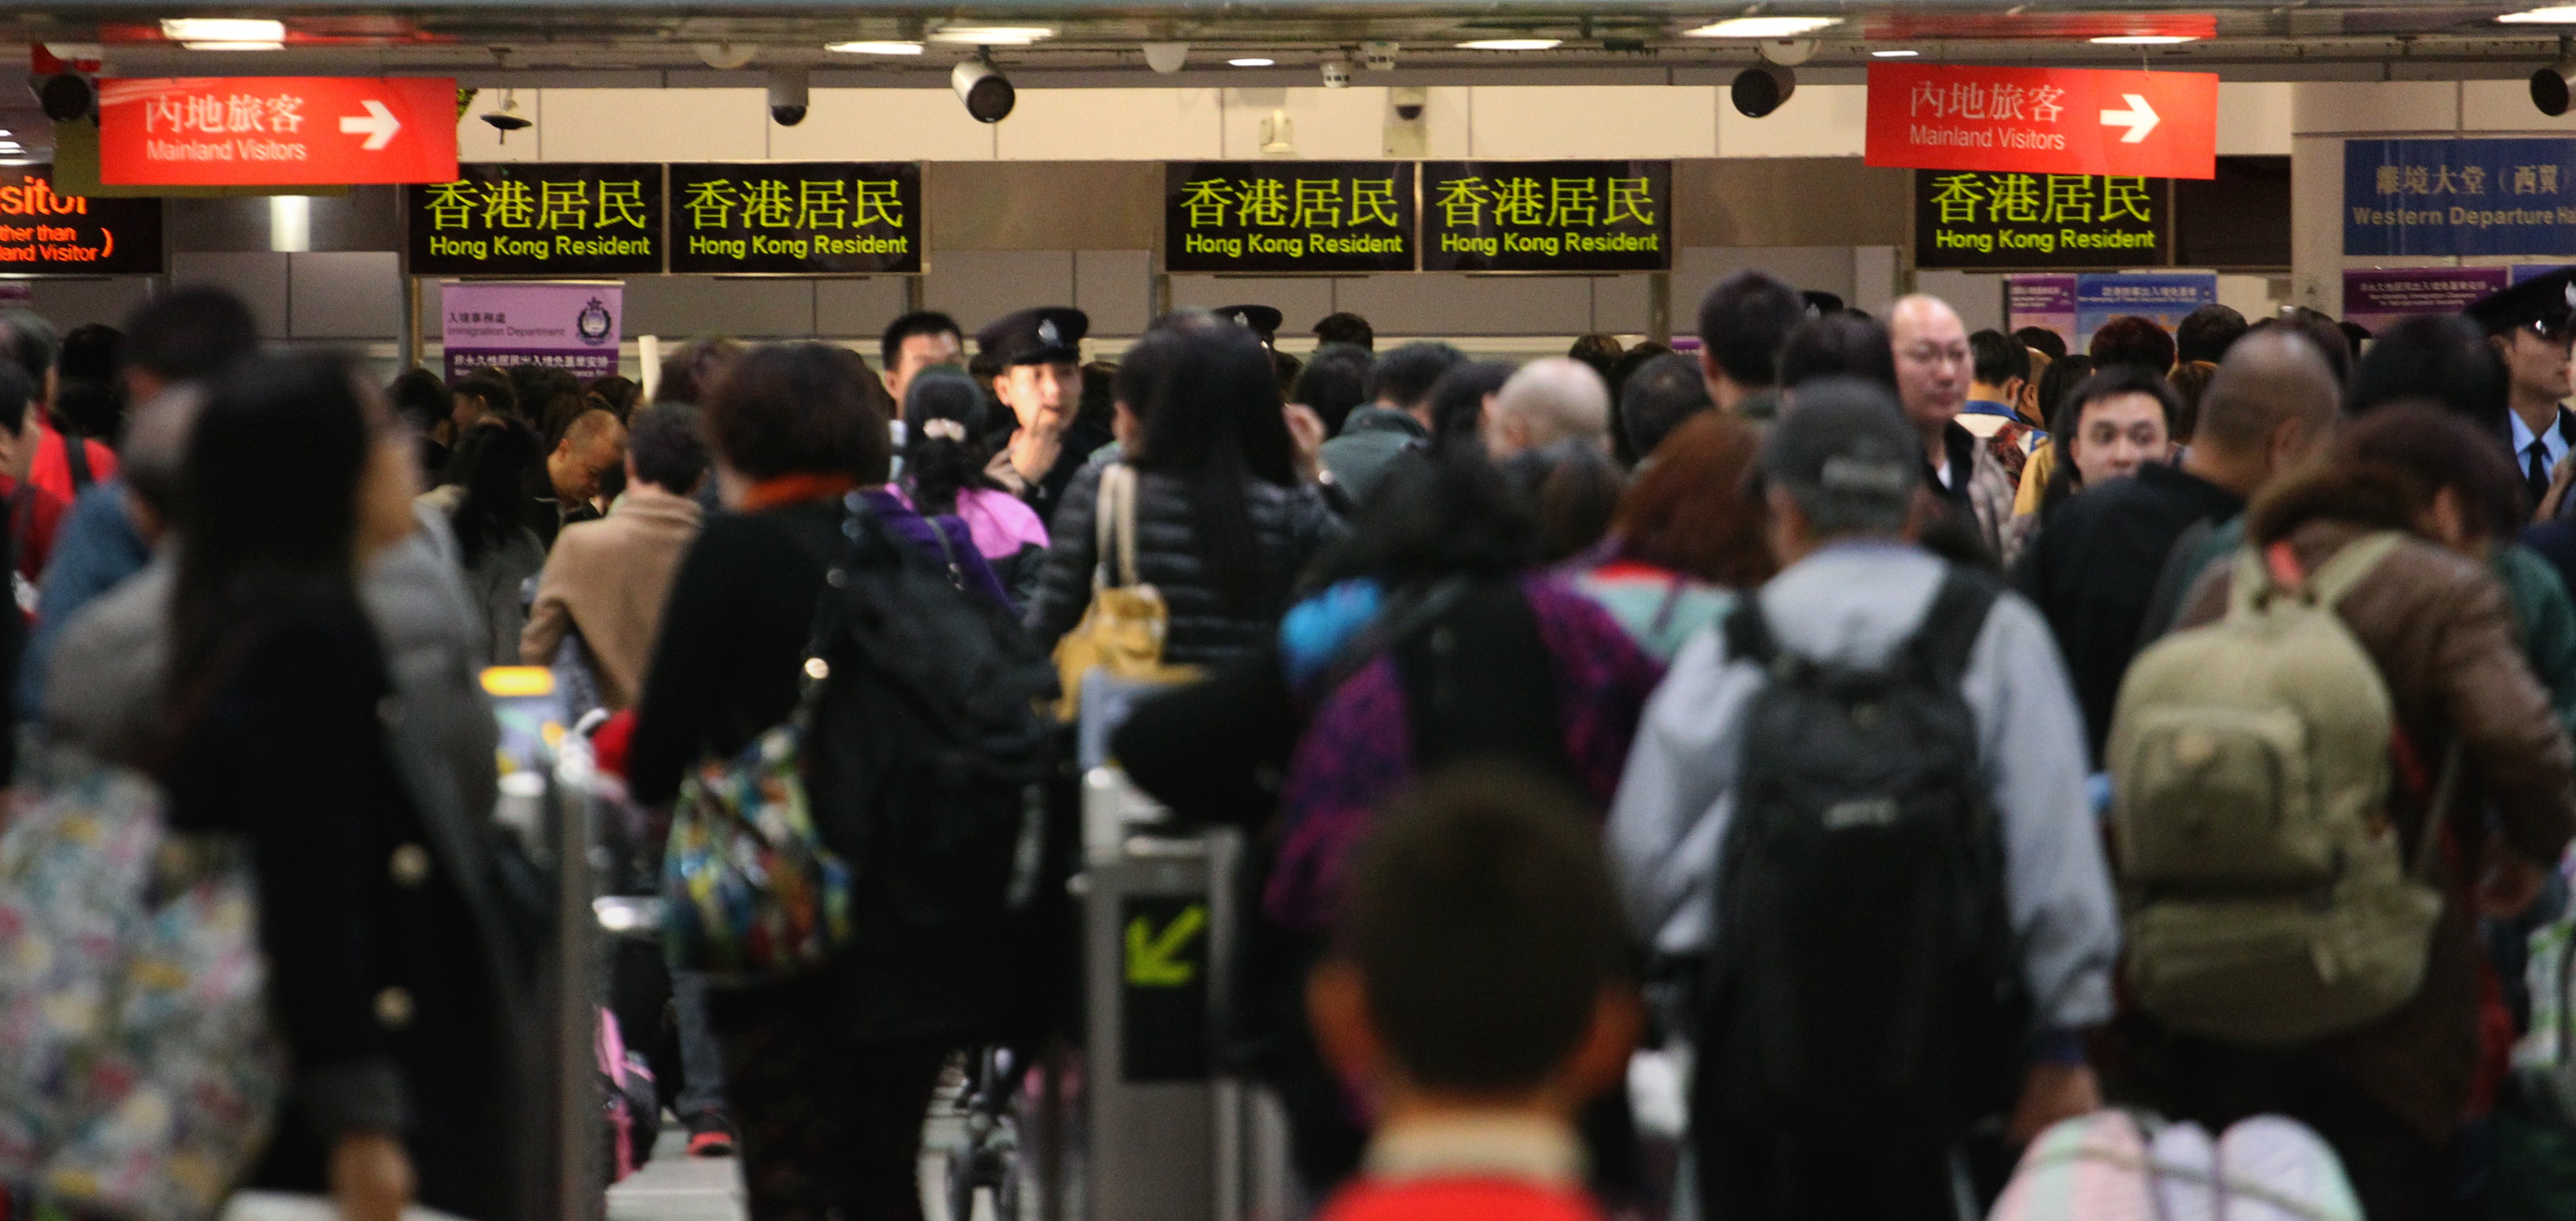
(2268, 898)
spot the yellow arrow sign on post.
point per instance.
(1153, 959)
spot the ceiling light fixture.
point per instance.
(875, 48)
(2556, 14)
(1894, 54)
(1763, 27)
(232, 46)
(2142, 40)
(1251, 61)
(222, 29)
(1512, 44)
(993, 35)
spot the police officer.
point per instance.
(1259, 319)
(2530, 327)
(1034, 360)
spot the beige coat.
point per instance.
(608, 580)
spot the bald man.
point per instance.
(2100, 568)
(1548, 401)
(1934, 368)
(592, 445)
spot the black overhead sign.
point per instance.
(1547, 215)
(537, 218)
(797, 217)
(1981, 219)
(1288, 216)
(45, 233)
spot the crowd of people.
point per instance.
(1930, 737)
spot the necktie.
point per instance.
(2537, 477)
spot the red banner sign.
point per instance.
(2044, 120)
(276, 131)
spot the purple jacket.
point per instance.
(1358, 749)
(917, 530)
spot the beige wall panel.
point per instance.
(753, 307)
(845, 309)
(1116, 287)
(2254, 118)
(258, 278)
(1698, 268)
(1534, 121)
(883, 125)
(655, 125)
(1112, 125)
(1326, 124)
(1788, 201)
(1044, 205)
(979, 286)
(71, 303)
(1620, 305)
(2492, 107)
(350, 295)
(1443, 303)
(1977, 295)
(1448, 115)
(1818, 121)
(2374, 106)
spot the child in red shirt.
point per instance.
(1477, 994)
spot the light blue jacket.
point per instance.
(1855, 603)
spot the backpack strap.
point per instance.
(76, 456)
(1748, 634)
(1953, 622)
(2345, 568)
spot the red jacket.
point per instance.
(1459, 1199)
(53, 468)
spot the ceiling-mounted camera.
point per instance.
(987, 93)
(788, 98)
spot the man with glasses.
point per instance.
(2529, 326)
(1934, 369)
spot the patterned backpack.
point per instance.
(139, 1072)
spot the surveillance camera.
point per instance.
(1337, 75)
(787, 96)
(987, 93)
(1167, 57)
(1378, 56)
(2549, 88)
(1407, 102)
(506, 122)
(66, 96)
(1761, 89)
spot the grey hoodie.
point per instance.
(1855, 603)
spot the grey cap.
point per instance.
(1842, 449)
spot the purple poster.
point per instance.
(2047, 302)
(2373, 299)
(574, 327)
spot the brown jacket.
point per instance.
(2444, 637)
(608, 579)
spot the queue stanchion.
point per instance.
(545, 795)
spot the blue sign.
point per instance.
(2164, 298)
(2459, 197)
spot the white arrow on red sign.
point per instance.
(2139, 118)
(378, 125)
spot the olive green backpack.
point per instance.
(2268, 899)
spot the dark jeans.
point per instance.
(829, 1127)
(2397, 1174)
(701, 1057)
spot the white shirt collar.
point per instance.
(2553, 441)
(1532, 1148)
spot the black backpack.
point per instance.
(929, 757)
(1862, 986)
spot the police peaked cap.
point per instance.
(1047, 335)
(1259, 319)
(2547, 299)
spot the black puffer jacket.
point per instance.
(1292, 524)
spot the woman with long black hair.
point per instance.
(486, 505)
(1223, 526)
(277, 734)
(943, 475)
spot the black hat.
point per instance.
(1047, 335)
(1844, 439)
(1259, 319)
(1821, 303)
(2545, 302)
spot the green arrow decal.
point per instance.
(1153, 961)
